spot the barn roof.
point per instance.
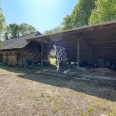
(98, 35)
(18, 42)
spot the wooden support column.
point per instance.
(78, 53)
(78, 50)
(41, 52)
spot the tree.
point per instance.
(2, 22)
(6, 32)
(104, 11)
(67, 22)
(14, 30)
(60, 55)
(54, 30)
(82, 12)
(80, 15)
(24, 29)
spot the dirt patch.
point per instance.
(30, 93)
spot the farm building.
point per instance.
(94, 44)
(19, 52)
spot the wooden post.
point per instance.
(41, 52)
(78, 53)
(94, 55)
(78, 49)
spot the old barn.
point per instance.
(19, 52)
(90, 44)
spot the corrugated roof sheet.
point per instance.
(18, 42)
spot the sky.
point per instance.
(42, 14)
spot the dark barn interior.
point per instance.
(94, 44)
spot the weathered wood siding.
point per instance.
(88, 55)
(109, 53)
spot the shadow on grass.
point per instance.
(105, 90)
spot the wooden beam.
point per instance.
(102, 32)
(36, 58)
(99, 37)
(41, 52)
(104, 42)
(82, 37)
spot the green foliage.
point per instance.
(2, 21)
(14, 30)
(79, 16)
(88, 12)
(82, 12)
(67, 22)
(6, 32)
(54, 30)
(26, 29)
(104, 11)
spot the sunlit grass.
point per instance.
(72, 62)
(53, 61)
(90, 108)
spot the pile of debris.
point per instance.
(74, 71)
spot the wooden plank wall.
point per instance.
(109, 53)
(87, 54)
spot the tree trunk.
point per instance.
(57, 64)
